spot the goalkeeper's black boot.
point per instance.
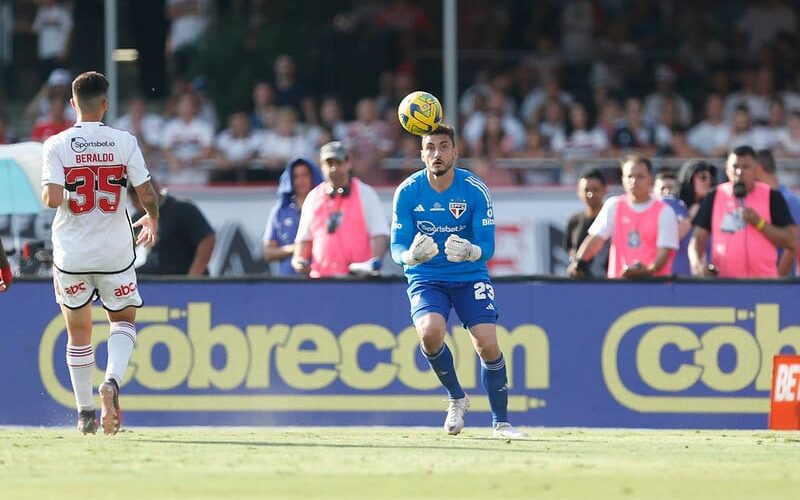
(87, 422)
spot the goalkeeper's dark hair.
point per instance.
(444, 129)
(89, 87)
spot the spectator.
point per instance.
(495, 141)
(331, 122)
(756, 93)
(185, 239)
(550, 88)
(55, 122)
(369, 141)
(289, 91)
(695, 180)
(145, 126)
(287, 140)
(577, 26)
(207, 111)
(553, 122)
(186, 140)
(789, 138)
(710, 136)
(189, 21)
(297, 180)
(591, 191)
(643, 231)
(634, 132)
(236, 148)
(744, 133)
(665, 188)
(762, 22)
(766, 172)
(580, 141)
(57, 85)
(498, 102)
(264, 107)
(747, 220)
(342, 226)
(653, 103)
(53, 26)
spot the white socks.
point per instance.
(121, 340)
(80, 361)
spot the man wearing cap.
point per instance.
(342, 228)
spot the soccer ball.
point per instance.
(420, 113)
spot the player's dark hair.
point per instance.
(444, 130)
(766, 160)
(594, 173)
(88, 86)
(745, 151)
(639, 159)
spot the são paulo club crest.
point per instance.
(457, 208)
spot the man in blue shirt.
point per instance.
(446, 208)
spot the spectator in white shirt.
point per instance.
(710, 137)
(286, 141)
(653, 103)
(186, 140)
(789, 138)
(144, 125)
(53, 25)
(236, 148)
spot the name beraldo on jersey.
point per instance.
(94, 158)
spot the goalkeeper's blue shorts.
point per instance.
(473, 301)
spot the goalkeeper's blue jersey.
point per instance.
(464, 209)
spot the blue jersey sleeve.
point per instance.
(402, 222)
(482, 218)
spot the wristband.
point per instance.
(760, 224)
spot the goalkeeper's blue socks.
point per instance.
(495, 382)
(442, 364)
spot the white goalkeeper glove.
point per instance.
(458, 249)
(423, 249)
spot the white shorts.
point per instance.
(116, 291)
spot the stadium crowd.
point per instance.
(593, 79)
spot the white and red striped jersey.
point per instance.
(92, 232)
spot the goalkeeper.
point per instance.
(443, 234)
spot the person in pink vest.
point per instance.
(643, 230)
(747, 221)
(342, 229)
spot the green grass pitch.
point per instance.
(370, 462)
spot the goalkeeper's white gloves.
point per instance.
(422, 249)
(458, 249)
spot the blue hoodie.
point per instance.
(285, 214)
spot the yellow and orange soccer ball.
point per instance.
(420, 113)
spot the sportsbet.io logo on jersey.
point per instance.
(79, 144)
